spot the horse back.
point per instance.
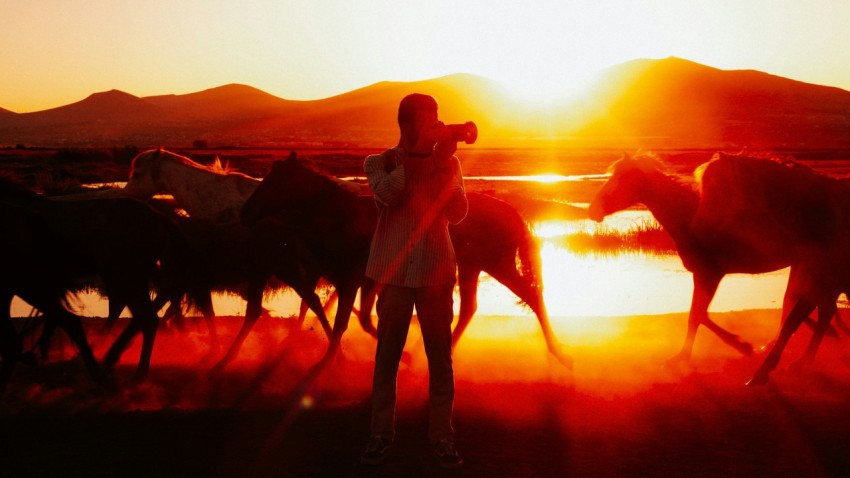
(756, 201)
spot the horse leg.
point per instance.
(46, 337)
(826, 310)
(121, 343)
(205, 305)
(533, 296)
(309, 297)
(705, 287)
(10, 342)
(174, 313)
(143, 320)
(303, 307)
(143, 312)
(115, 309)
(798, 313)
(468, 287)
(73, 327)
(347, 294)
(367, 303)
(306, 289)
(253, 310)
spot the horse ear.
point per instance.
(292, 156)
(626, 157)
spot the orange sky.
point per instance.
(59, 51)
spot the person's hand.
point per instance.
(444, 150)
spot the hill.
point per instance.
(673, 99)
(671, 103)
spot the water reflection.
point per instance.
(636, 283)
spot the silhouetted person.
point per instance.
(418, 188)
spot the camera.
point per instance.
(466, 132)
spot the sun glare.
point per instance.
(541, 90)
(549, 178)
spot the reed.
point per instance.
(644, 237)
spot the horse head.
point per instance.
(628, 184)
(144, 174)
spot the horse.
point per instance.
(212, 193)
(781, 207)
(124, 242)
(32, 267)
(491, 238)
(642, 180)
(337, 225)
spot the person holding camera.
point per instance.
(418, 188)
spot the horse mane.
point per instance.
(216, 167)
(644, 161)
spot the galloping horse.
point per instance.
(122, 241)
(731, 226)
(32, 267)
(490, 239)
(642, 180)
(337, 225)
(783, 208)
(236, 258)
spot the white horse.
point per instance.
(213, 193)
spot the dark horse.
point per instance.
(337, 226)
(123, 242)
(32, 267)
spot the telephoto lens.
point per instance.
(466, 132)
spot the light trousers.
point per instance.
(434, 310)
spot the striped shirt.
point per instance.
(417, 199)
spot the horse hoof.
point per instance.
(564, 359)
(677, 360)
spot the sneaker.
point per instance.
(447, 455)
(376, 450)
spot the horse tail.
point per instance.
(529, 262)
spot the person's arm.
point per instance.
(457, 205)
(386, 186)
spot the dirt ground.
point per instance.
(622, 411)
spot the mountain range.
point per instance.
(667, 103)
